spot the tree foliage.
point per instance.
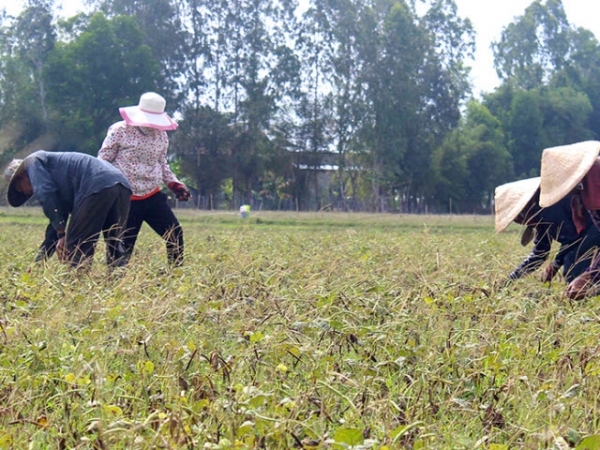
(104, 67)
(347, 104)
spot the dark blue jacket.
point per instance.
(555, 223)
(61, 181)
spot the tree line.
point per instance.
(342, 104)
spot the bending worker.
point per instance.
(519, 202)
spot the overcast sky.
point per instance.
(489, 17)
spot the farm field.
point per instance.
(290, 330)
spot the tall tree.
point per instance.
(161, 22)
(450, 174)
(524, 130)
(36, 37)
(203, 145)
(534, 46)
(26, 42)
(258, 41)
(204, 19)
(444, 84)
(488, 160)
(325, 107)
(106, 66)
(566, 112)
(582, 72)
(415, 87)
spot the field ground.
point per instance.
(289, 330)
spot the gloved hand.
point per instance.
(580, 287)
(61, 250)
(549, 272)
(180, 190)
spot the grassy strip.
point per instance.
(292, 219)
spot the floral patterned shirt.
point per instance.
(140, 153)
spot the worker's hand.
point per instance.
(61, 250)
(180, 190)
(580, 287)
(550, 272)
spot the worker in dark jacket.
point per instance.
(88, 193)
(544, 226)
(574, 170)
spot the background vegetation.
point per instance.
(295, 330)
(343, 104)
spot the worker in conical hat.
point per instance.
(518, 202)
(575, 170)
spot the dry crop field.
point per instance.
(309, 331)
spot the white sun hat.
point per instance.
(563, 168)
(150, 112)
(511, 198)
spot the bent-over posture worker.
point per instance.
(518, 202)
(575, 170)
(82, 196)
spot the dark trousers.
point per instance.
(157, 213)
(103, 212)
(578, 260)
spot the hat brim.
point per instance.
(134, 116)
(511, 198)
(527, 235)
(16, 198)
(563, 168)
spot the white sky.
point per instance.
(489, 17)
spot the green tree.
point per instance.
(312, 134)
(416, 81)
(550, 76)
(205, 19)
(163, 32)
(524, 130)
(256, 57)
(444, 85)
(534, 46)
(566, 112)
(25, 43)
(582, 73)
(19, 102)
(450, 172)
(488, 161)
(104, 67)
(203, 144)
(391, 65)
(396, 83)
(35, 37)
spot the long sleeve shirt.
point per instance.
(48, 247)
(141, 154)
(61, 181)
(595, 266)
(554, 223)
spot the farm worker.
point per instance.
(81, 195)
(518, 202)
(137, 146)
(574, 169)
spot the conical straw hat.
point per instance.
(511, 198)
(563, 168)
